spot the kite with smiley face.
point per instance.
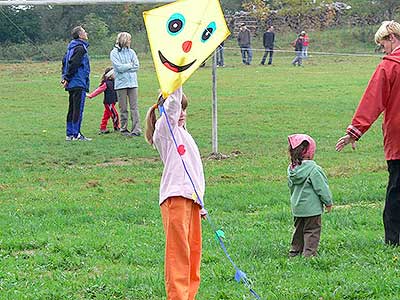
(182, 35)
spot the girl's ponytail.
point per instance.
(150, 124)
(297, 154)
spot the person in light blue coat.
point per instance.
(126, 65)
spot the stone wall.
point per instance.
(318, 19)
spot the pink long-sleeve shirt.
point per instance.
(175, 181)
(98, 91)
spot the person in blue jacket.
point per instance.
(75, 80)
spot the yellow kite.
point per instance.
(182, 35)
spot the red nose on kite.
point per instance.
(186, 46)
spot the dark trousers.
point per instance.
(306, 236)
(75, 111)
(220, 56)
(269, 51)
(391, 212)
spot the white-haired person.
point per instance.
(126, 65)
(382, 95)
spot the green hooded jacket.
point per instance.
(309, 189)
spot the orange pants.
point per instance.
(182, 227)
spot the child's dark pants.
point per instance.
(306, 235)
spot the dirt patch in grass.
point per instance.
(92, 183)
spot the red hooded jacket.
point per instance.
(381, 95)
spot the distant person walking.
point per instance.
(306, 42)
(309, 193)
(75, 80)
(298, 47)
(220, 55)
(268, 42)
(382, 95)
(110, 98)
(244, 41)
(126, 65)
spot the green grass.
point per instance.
(81, 220)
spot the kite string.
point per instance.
(24, 33)
(241, 275)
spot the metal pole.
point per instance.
(214, 105)
(77, 2)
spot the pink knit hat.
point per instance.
(296, 139)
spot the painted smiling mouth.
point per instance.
(172, 66)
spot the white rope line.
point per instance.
(311, 52)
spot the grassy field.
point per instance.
(81, 220)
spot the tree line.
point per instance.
(45, 24)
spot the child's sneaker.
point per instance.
(104, 131)
(125, 132)
(135, 134)
(294, 253)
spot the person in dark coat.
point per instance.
(268, 42)
(244, 41)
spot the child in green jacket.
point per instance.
(309, 192)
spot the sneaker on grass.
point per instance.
(104, 131)
(81, 137)
(135, 134)
(69, 138)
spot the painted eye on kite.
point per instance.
(207, 33)
(175, 24)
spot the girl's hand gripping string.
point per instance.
(203, 213)
(160, 101)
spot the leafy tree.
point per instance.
(297, 7)
(96, 27)
(382, 9)
(18, 24)
(231, 5)
(257, 9)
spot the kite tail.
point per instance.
(219, 234)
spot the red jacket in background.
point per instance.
(306, 41)
(381, 95)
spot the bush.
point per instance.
(55, 50)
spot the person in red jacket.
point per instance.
(383, 96)
(306, 42)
